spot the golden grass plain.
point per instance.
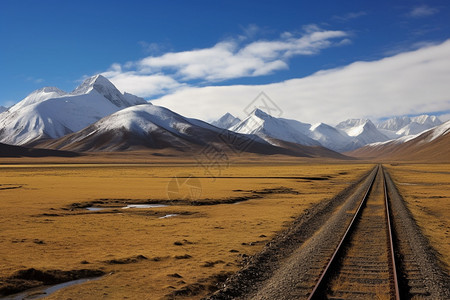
(39, 228)
(425, 188)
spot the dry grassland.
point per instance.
(144, 256)
(425, 187)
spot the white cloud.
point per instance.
(250, 31)
(228, 60)
(142, 85)
(422, 11)
(407, 83)
(151, 48)
(234, 59)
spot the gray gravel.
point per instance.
(423, 274)
(289, 265)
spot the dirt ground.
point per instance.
(148, 253)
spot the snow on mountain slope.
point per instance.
(2, 109)
(394, 124)
(146, 118)
(154, 127)
(140, 126)
(402, 126)
(52, 113)
(392, 135)
(427, 120)
(431, 145)
(269, 128)
(363, 130)
(226, 121)
(333, 138)
(105, 88)
(38, 96)
(412, 128)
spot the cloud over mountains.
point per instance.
(229, 59)
(391, 86)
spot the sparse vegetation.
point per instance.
(134, 246)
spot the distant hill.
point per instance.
(432, 145)
(153, 127)
(19, 151)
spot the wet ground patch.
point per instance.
(122, 203)
(26, 279)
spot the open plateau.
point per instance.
(106, 196)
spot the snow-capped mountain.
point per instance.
(226, 121)
(2, 109)
(274, 129)
(270, 128)
(333, 138)
(394, 124)
(104, 87)
(51, 113)
(143, 125)
(402, 126)
(363, 130)
(430, 145)
(153, 127)
(37, 96)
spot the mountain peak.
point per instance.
(317, 125)
(97, 82)
(427, 119)
(226, 121)
(409, 125)
(260, 113)
(104, 87)
(49, 89)
(353, 123)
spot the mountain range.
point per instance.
(346, 136)
(430, 145)
(96, 116)
(50, 113)
(401, 126)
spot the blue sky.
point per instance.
(157, 48)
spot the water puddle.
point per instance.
(143, 206)
(168, 216)
(41, 292)
(95, 208)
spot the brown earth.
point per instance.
(415, 150)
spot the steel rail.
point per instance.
(321, 283)
(391, 242)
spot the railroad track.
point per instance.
(363, 265)
(344, 249)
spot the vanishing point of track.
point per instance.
(363, 264)
(361, 244)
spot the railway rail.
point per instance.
(363, 265)
(361, 244)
